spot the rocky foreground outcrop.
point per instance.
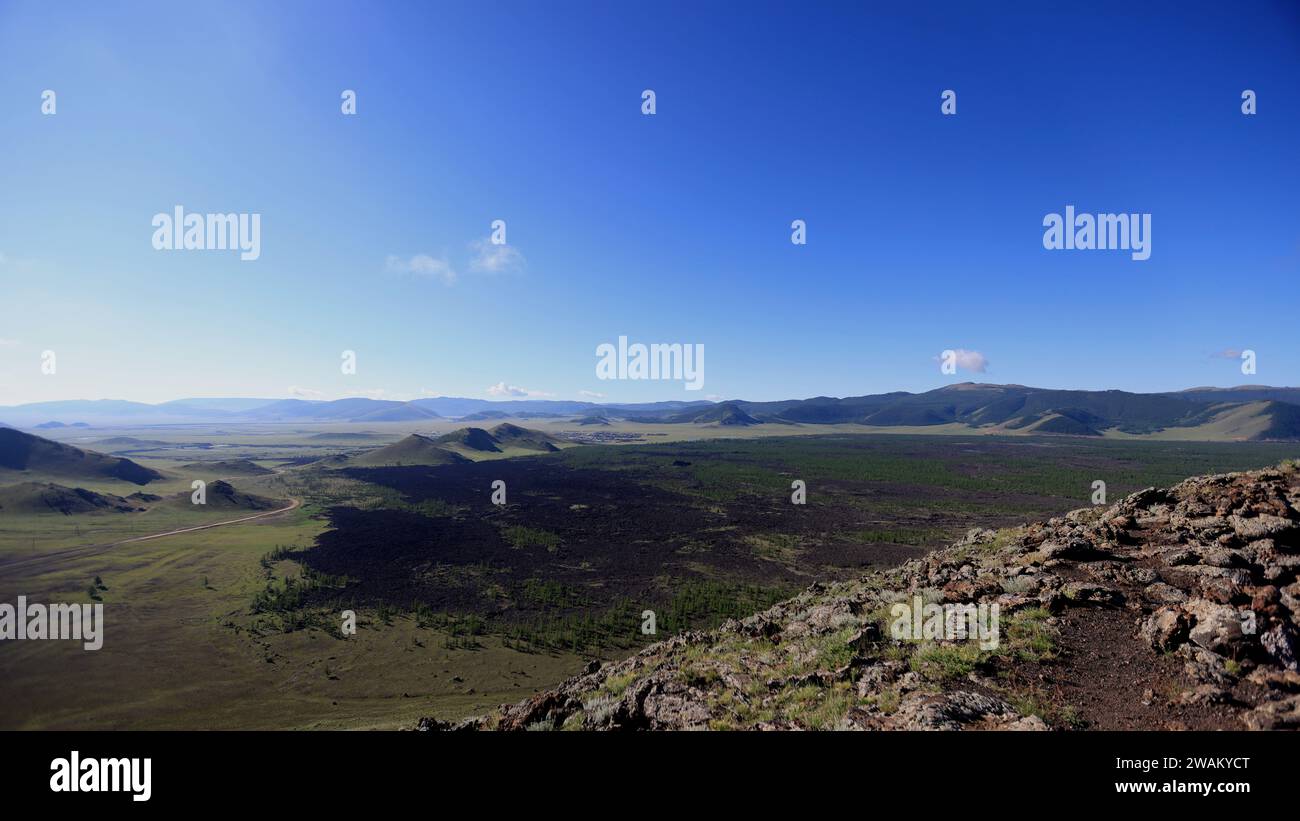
(1173, 609)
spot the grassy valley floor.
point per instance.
(463, 605)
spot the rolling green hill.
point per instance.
(727, 413)
(46, 497)
(505, 439)
(221, 495)
(1283, 421)
(413, 450)
(1272, 412)
(470, 439)
(512, 436)
(22, 454)
(229, 467)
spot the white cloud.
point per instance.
(8, 343)
(305, 393)
(714, 397)
(972, 360)
(591, 394)
(969, 360)
(495, 259)
(502, 389)
(423, 265)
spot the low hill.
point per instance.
(221, 495)
(1063, 423)
(1017, 408)
(506, 439)
(906, 416)
(413, 450)
(1174, 608)
(513, 436)
(25, 453)
(127, 442)
(46, 497)
(401, 413)
(727, 413)
(470, 439)
(1252, 421)
(485, 416)
(1283, 422)
(229, 467)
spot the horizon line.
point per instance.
(587, 401)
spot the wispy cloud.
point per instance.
(1227, 353)
(305, 393)
(591, 394)
(423, 265)
(514, 391)
(9, 343)
(495, 259)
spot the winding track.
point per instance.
(36, 562)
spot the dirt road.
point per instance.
(42, 562)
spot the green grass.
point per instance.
(230, 668)
(1029, 637)
(240, 653)
(948, 662)
(519, 536)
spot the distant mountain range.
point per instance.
(1255, 412)
(117, 411)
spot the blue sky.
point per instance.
(924, 231)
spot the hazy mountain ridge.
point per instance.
(1245, 412)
